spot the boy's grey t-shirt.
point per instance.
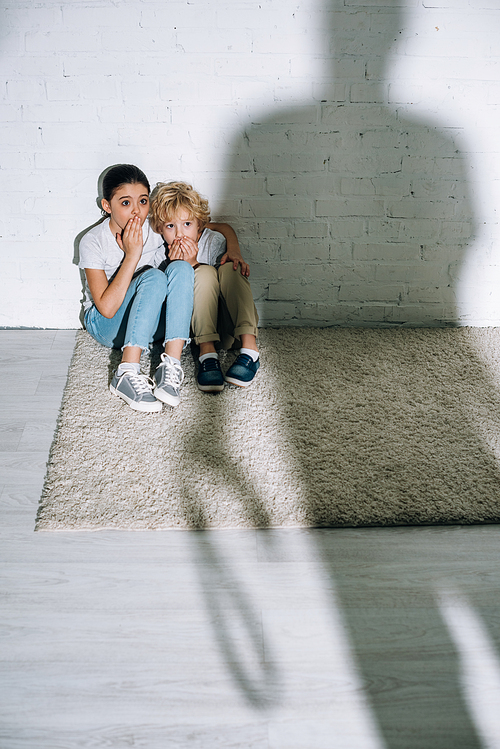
(99, 249)
(211, 247)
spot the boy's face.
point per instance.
(181, 225)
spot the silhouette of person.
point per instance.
(363, 217)
(365, 213)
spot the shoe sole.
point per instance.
(170, 400)
(239, 383)
(211, 388)
(152, 408)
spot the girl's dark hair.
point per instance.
(122, 174)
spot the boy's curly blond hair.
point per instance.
(168, 198)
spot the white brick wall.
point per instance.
(352, 143)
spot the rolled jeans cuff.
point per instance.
(207, 338)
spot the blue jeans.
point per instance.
(157, 306)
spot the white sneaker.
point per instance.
(168, 378)
(136, 390)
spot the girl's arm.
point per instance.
(233, 253)
(109, 295)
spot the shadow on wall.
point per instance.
(81, 234)
(360, 216)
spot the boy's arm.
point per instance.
(233, 253)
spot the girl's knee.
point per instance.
(152, 276)
(155, 282)
(179, 268)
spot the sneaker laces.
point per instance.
(140, 382)
(244, 360)
(172, 373)
(210, 364)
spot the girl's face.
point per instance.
(181, 225)
(128, 201)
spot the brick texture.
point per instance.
(353, 144)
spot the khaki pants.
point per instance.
(223, 306)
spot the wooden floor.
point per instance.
(293, 639)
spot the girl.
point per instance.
(129, 302)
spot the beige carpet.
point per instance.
(342, 427)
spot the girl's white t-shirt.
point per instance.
(99, 249)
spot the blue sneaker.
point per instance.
(210, 378)
(242, 371)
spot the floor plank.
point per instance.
(276, 639)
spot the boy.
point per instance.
(223, 308)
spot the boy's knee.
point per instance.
(230, 278)
(206, 278)
(207, 272)
(226, 270)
